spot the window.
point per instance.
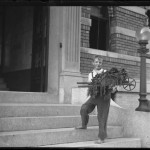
(99, 31)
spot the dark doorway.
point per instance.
(23, 47)
(40, 49)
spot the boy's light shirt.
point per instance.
(94, 74)
(90, 79)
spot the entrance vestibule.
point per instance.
(23, 47)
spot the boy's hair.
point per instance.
(97, 57)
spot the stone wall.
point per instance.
(85, 26)
(120, 44)
(131, 66)
(129, 20)
(110, 59)
(136, 124)
(124, 44)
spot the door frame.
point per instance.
(43, 72)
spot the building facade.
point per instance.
(50, 48)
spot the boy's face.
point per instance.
(97, 63)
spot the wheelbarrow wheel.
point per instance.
(129, 84)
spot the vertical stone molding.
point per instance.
(72, 38)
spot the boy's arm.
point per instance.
(90, 77)
(89, 80)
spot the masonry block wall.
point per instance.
(127, 19)
(85, 26)
(108, 62)
(120, 43)
(124, 44)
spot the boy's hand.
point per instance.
(114, 89)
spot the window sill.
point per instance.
(110, 54)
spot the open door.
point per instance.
(40, 49)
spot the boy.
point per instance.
(102, 103)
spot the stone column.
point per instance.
(71, 38)
(70, 50)
(53, 54)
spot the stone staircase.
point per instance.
(109, 143)
(37, 120)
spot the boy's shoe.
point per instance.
(81, 127)
(99, 141)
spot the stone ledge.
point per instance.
(111, 54)
(69, 73)
(86, 21)
(134, 9)
(122, 30)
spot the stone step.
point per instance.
(34, 138)
(116, 142)
(49, 122)
(28, 110)
(38, 110)
(47, 117)
(38, 123)
(27, 97)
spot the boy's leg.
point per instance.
(103, 110)
(86, 109)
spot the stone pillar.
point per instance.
(53, 54)
(64, 50)
(71, 38)
(70, 50)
